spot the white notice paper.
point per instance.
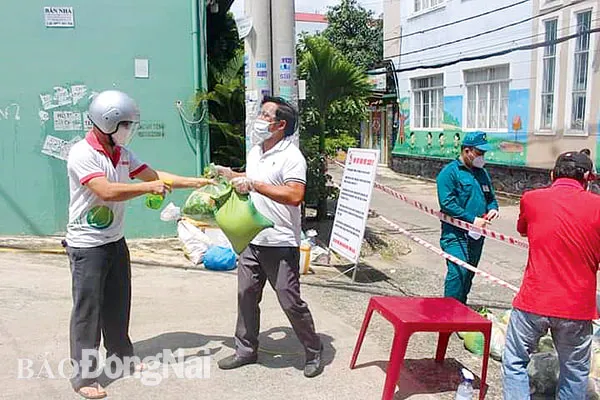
(58, 148)
(67, 121)
(141, 68)
(244, 26)
(353, 203)
(59, 17)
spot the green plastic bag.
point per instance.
(474, 342)
(240, 221)
(203, 203)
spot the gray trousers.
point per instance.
(280, 266)
(101, 285)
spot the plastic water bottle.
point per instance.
(465, 389)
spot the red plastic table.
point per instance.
(418, 314)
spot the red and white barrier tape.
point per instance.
(452, 221)
(450, 257)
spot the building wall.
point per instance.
(310, 23)
(547, 144)
(310, 28)
(47, 76)
(522, 142)
(444, 139)
(392, 28)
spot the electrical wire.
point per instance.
(496, 45)
(490, 55)
(456, 22)
(489, 31)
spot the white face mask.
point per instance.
(124, 134)
(261, 129)
(478, 162)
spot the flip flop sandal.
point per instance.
(100, 393)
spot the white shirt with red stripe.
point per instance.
(92, 221)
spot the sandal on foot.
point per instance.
(92, 392)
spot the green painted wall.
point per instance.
(40, 64)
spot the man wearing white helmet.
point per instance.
(100, 169)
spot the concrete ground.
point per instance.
(193, 310)
(175, 307)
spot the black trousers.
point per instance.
(280, 266)
(101, 285)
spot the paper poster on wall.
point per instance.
(87, 122)
(78, 92)
(63, 117)
(62, 96)
(46, 100)
(244, 26)
(285, 69)
(58, 148)
(44, 116)
(246, 71)
(67, 121)
(59, 17)
(262, 79)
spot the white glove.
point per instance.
(242, 185)
(492, 215)
(225, 172)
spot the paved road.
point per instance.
(505, 262)
(195, 310)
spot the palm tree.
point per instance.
(330, 78)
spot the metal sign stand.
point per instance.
(354, 270)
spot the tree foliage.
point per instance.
(356, 33)
(225, 94)
(336, 89)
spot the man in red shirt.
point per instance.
(562, 223)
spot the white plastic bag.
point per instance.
(195, 242)
(218, 238)
(170, 213)
(498, 341)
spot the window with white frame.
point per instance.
(487, 97)
(580, 71)
(549, 75)
(422, 5)
(428, 101)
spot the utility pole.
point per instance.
(258, 69)
(285, 82)
(270, 60)
(284, 51)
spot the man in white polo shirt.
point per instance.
(100, 169)
(276, 180)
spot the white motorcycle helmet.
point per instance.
(115, 114)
